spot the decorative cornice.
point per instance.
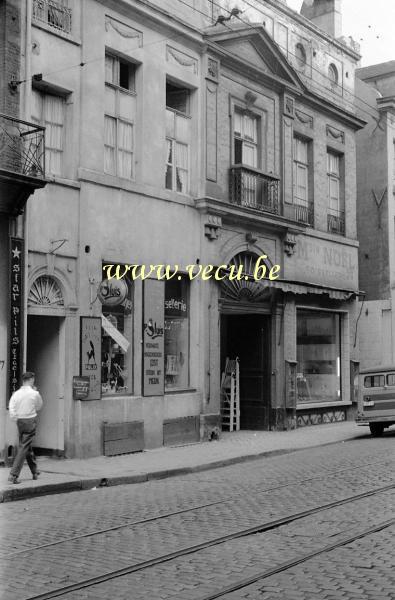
(336, 134)
(123, 30)
(304, 118)
(181, 58)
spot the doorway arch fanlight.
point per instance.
(45, 291)
(245, 288)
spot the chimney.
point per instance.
(326, 14)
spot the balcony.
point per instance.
(252, 188)
(54, 14)
(22, 162)
(303, 214)
(336, 222)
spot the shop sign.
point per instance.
(16, 314)
(113, 332)
(153, 338)
(90, 355)
(176, 307)
(80, 388)
(112, 293)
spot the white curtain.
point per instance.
(125, 149)
(110, 140)
(181, 167)
(53, 121)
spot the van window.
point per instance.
(374, 381)
(391, 379)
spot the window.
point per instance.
(54, 13)
(391, 379)
(374, 381)
(300, 55)
(176, 334)
(178, 126)
(245, 135)
(318, 356)
(301, 172)
(117, 338)
(333, 74)
(335, 193)
(120, 73)
(120, 109)
(49, 110)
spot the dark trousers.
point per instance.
(27, 431)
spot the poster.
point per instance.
(90, 354)
(16, 314)
(153, 337)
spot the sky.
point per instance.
(371, 23)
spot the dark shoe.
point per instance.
(36, 474)
(13, 479)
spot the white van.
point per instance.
(376, 402)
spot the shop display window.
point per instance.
(117, 347)
(176, 334)
(318, 355)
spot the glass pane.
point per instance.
(391, 379)
(176, 334)
(116, 360)
(169, 177)
(250, 128)
(249, 155)
(237, 123)
(238, 151)
(127, 106)
(170, 124)
(109, 100)
(110, 127)
(36, 106)
(111, 70)
(169, 151)
(181, 155)
(318, 356)
(181, 180)
(183, 129)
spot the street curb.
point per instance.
(15, 493)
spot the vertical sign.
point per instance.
(153, 337)
(16, 313)
(90, 355)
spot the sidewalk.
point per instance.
(63, 475)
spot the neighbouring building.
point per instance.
(179, 133)
(21, 173)
(375, 89)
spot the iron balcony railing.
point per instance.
(54, 14)
(336, 222)
(22, 147)
(252, 188)
(304, 213)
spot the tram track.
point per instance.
(197, 507)
(257, 529)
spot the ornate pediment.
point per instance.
(256, 49)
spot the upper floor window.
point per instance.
(245, 139)
(333, 74)
(336, 222)
(120, 72)
(301, 171)
(49, 111)
(178, 133)
(120, 110)
(54, 13)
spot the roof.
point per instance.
(379, 70)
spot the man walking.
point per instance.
(23, 407)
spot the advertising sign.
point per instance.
(80, 388)
(90, 355)
(16, 314)
(153, 337)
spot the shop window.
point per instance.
(318, 356)
(117, 339)
(176, 334)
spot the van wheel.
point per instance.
(376, 429)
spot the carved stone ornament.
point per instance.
(211, 227)
(250, 99)
(174, 55)
(304, 118)
(334, 133)
(289, 244)
(289, 106)
(212, 68)
(124, 30)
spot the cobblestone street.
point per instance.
(317, 523)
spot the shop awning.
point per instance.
(297, 287)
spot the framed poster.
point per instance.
(153, 337)
(90, 354)
(80, 388)
(16, 315)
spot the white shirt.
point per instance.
(25, 403)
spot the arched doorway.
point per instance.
(45, 356)
(246, 334)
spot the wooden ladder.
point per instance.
(230, 395)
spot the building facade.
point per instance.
(21, 174)
(182, 134)
(376, 217)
